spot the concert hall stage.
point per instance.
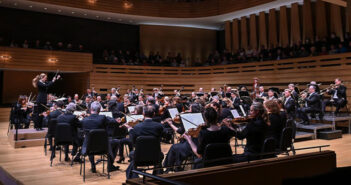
(30, 165)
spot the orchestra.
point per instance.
(264, 113)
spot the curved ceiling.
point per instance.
(208, 22)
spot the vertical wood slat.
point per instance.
(244, 32)
(253, 31)
(335, 21)
(272, 28)
(228, 39)
(262, 29)
(307, 20)
(283, 27)
(321, 19)
(295, 23)
(348, 16)
(236, 35)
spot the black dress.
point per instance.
(41, 100)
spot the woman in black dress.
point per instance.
(22, 113)
(211, 133)
(276, 122)
(40, 82)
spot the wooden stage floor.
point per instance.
(31, 166)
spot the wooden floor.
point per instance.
(30, 166)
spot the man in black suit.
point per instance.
(58, 110)
(117, 108)
(96, 121)
(86, 104)
(261, 92)
(293, 92)
(71, 119)
(289, 104)
(338, 96)
(147, 128)
(312, 105)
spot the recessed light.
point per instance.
(85, 14)
(73, 12)
(97, 16)
(131, 21)
(30, 6)
(59, 10)
(45, 8)
(15, 4)
(120, 19)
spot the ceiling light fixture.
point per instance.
(5, 57)
(127, 4)
(53, 60)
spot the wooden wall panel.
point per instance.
(336, 21)
(307, 25)
(235, 35)
(37, 60)
(244, 33)
(262, 29)
(163, 8)
(228, 35)
(192, 43)
(273, 42)
(283, 27)
(295, 24)
(253, 31)
(348, 16)
(321, 19)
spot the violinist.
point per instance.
(182, 150)
(211, 133)
(73, 121)
(254, 132)
(234, 97)
(43, 85)
(76, 99)
(141, 100)
(227, 106)
(338, 96)
(276, 124)
(58, 106)
(86, 104)
(146, 128)
(116, 107)
(22, 113)
(90, 93)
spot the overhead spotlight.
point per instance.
(73, 12)
(15, 4)
(108, 17)
(97, 16)
(59, 10)
(45, 8)
(85, 14)
(30, 6)
(127, 4)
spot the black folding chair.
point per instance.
(50, 134)
(291, 123)
(63, 136)
(96, 144)
(217, 151)
(268, 147)
(147, 152)
(286, 141)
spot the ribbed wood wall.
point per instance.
(288, 25)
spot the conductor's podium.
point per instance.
(27, 137)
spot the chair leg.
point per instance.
(103, 164)
(293, 149)
(60, 153)
(45, 145)
(81, 164)
(84, 170)
(52, 156)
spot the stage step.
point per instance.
(314, 128)
(25, 134)
(27, 138)
(4, 114)
(328, 135)
(302, 135)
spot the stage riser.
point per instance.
(27, 138)
(328, 135)
(27, 143)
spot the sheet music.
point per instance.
(173, 112)
(108, 114)
(242, 110)
(131, 108)
(136, 117)
(79, 113)
(235, 113)
(195, 118)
